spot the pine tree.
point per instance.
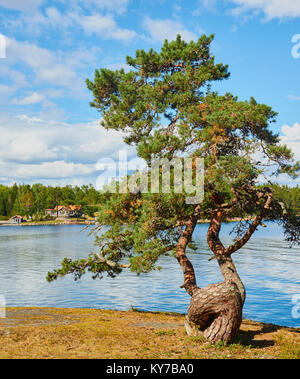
(165, 107)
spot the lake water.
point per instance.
(267, 266)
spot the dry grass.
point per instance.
(90, 333)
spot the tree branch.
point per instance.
(252, 228)
(110, 263)
(187, 267)
(213, 239)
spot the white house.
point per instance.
(17, 219)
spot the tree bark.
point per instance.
(216, 310)
(187, 267)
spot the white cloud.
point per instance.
(117, 6)
(60, 74)
(104, 26)
(48, 66)
(292, 134)
(291, 138)
(52, 170)
(206, 4)
(29, 120)
(33, 150)
(271, 8)
(54, 17)
(160, 30)
(21, 5)
(35, 23)
(31, 139)
(292, 97)
(29, 53)
(6, 91)
(13, 80)
(30, 99)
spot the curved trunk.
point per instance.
(187, 267)
(216, 310)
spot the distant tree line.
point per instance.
(289, 196)
(33, 200)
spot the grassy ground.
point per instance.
(90, 333)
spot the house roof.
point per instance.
(59, 207)
(74, 207)
(17, 216)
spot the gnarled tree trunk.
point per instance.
(216, 310)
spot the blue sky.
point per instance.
(49, 132)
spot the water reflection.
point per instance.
(268, 267)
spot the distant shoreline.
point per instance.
(43, 223)
(66, 222)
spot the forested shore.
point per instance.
(32, 200)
